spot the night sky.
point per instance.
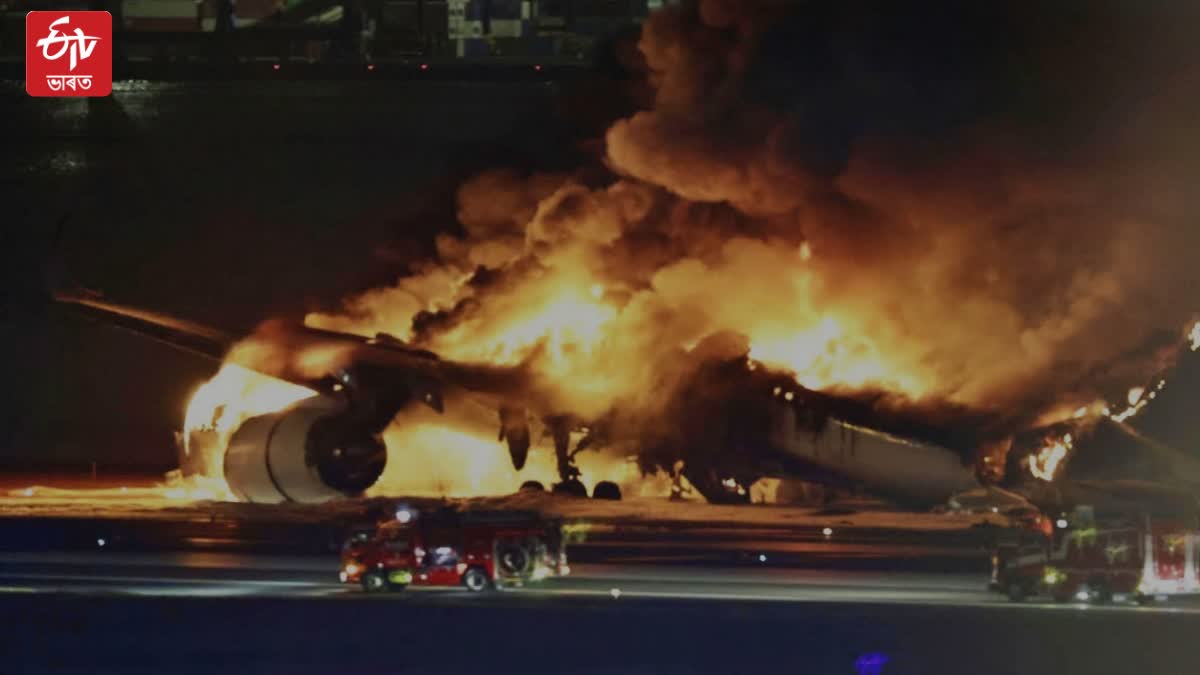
(233, 202)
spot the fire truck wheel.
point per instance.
(476, 580)
(374, 582)
(514, 560)
(606, 489)
(1016, 591)
(1101, 595)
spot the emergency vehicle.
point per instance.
(1142, 558)
(474, 550)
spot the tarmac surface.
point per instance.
(101, 612)
(214, 587)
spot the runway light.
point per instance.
(100, 543)
(1061, 523)
(615, 593)
(275, 67)
(370, 66)
(762, 557)
(537, 67)
(828, 532)
(424, 66)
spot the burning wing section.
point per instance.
(328, 444)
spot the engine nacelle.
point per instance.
(305, 453)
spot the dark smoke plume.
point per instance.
(971, 210)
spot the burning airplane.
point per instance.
(298, 414)
(733, 291)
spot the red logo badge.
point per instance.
(68, 53)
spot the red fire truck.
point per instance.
(1141, 558)
(474, 550)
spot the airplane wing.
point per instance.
(186, 336)
(298, 353)
(382, 372)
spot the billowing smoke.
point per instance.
(983, 208)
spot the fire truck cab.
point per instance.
(1142, 558)
(474, 550)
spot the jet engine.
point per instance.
(309, 452)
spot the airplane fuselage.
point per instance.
(905, 469)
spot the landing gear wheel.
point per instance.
(572, 487)
(532, 486)
(1016, 591)
(1143, 599)
(606, 489)
(375, 582)
(1100, 594)
(476, 580)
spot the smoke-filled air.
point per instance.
(921, 247)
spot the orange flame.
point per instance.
(214, 412)
(429, 457)
(569, 321)
(1046, 464)
(1138, 399)
(826, 355)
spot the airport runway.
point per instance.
(110, 596)
(232, 613)
(240, 575)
